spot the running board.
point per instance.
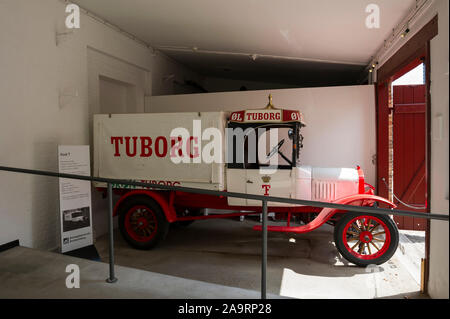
(321, 219)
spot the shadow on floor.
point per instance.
(228, 252)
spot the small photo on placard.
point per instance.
(76, 219)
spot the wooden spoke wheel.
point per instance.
(366, 239)
(142, 222)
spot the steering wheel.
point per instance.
(275, 149)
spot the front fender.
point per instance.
(326, 213)
(163, 202)
(363, 200)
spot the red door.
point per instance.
(409, 152)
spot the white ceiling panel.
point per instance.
(327, 30)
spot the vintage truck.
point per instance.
(222, 151)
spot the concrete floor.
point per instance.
(227, 252)
(411, 251)
(209, 259)
(30, 273)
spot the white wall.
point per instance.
(32, 122)
(438, 285)
(340, 121)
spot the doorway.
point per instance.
(414, 52)
(403, 157)
(116, 97)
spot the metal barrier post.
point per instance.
(264, 250)
(111, 278)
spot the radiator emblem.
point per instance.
(265, 178)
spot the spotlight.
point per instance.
(370, 70)
(404, 33)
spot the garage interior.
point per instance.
(354, 81)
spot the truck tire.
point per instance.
(142, 222)
(365, 239)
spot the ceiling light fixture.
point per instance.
(400, 31)
(404, 33)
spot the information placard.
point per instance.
(75, 197)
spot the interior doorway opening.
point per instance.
(407, 144)
(407, 178)
(413, 53)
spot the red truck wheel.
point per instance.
(366, 239)
(142, 222)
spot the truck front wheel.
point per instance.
(366, 239)
(142, 222)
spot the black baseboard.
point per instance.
(9, 245)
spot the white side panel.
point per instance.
(113, 159)
(303, 182)
(236, 182)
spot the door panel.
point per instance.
(250, 181)
(409, 146)
(116, 97)
(280, 184)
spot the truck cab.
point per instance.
(263, 158)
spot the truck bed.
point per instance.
(138, 147)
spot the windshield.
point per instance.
(272, 152)
(262, 145)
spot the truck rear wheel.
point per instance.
(142, 222)
(366, 239)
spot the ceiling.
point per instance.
(304, 42)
